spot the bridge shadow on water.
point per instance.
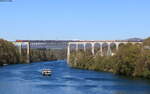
(27, 79)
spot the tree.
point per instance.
(126, 59)
(8, 53)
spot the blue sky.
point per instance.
(74, 19)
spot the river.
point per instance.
(27, 79)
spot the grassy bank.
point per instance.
(130, 60)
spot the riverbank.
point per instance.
(130, 60)
(9, 54)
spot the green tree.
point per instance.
(126, 59)
(8, 53)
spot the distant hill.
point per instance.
(135, 39)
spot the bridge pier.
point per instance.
(109, 53)
(84, 45)
(68, 53)
(117, 46)
(93, 48)
(19, 44)
(20, 49)
(77, 46)
(28, 52)
(101, 49)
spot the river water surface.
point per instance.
(27, 79)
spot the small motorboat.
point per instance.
(5, 64)
(46, 72)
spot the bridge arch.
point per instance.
(105, 47)
(81, 47)
(113, 48)
(88, 47)
(73, 48)
(97, 48)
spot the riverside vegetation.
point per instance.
(9, 54)
(130, 60)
